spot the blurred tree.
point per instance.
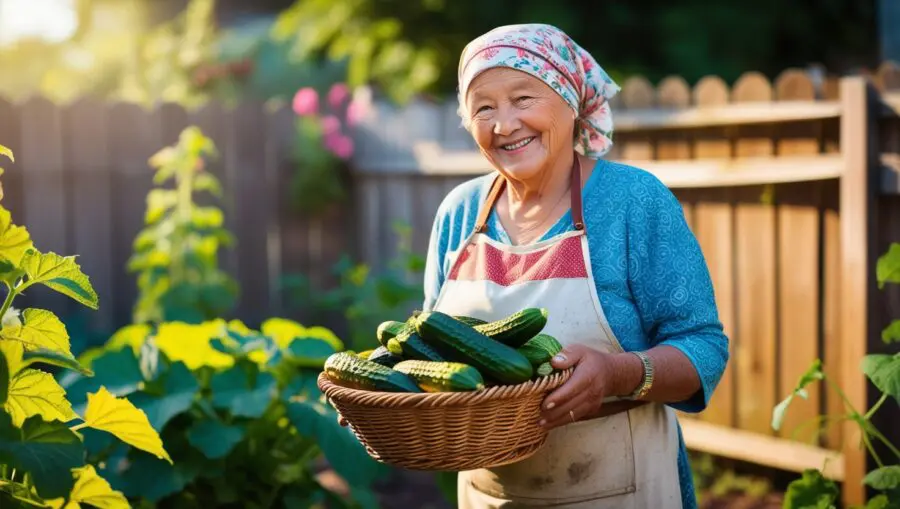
(407, 46)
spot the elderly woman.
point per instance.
(604, 247)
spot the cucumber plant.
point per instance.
(42, 460)
(883, 370)
(241, 409)
(176, 253)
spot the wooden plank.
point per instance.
(715, 233)
(674, 93)
(831, 309)
(246, 135)
(798, 266)
(12, 179)
(858, 256)
(42, 153)
(756, 350)
(134, 137)
(91, 194)
(637, 93)
(646, 119)
(433, 160)
(714, 225)
(760, 449)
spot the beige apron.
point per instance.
(627, 460)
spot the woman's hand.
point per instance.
(597, 375)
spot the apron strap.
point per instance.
(500, 181)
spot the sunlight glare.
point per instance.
(52, 20)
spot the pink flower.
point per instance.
(337, 95)
(330, 124)
(306, 102)
(358, 109)
(339, 145)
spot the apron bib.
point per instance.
(627, 460)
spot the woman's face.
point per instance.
(519, 123)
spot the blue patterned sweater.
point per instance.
(651, 276)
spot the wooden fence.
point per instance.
(792, 188)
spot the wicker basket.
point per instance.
(449, 431)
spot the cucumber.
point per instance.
(468, 320)
(383, 356)
(465, 344)
(389, 329)
(436, 376)
(410, 345)
(540, 349)
(516, 329)
(350, 370)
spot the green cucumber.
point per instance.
(389, 329)
(383, 356)
(410, 345)
(516, 329)
(465, 344)
(436, 376)
(349, 370)
(469, 320)
(540, 349)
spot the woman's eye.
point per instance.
(482, 109)
(522, 98)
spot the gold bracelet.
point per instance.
(646, 381)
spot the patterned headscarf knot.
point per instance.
(550, 55)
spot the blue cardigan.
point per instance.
(651, 276)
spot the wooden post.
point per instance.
(857, 204)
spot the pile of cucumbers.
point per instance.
(433, 351)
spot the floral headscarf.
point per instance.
(552, 56)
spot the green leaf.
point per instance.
(309, 352)
(48, 451)
(5, 151)
(891, 333)
(91, 489)
(122, 419)
(62, 274)
(35, 392)
(231, 390)
(4, 378)
(41, 330)
(811, 491)
(887, 270)
(14, 240)
(180, 390)
(12, 351)
(208, 182)
(152, 479)
(9, 273)
(215, 439)
(884, 371)
(879, 502)
(812, 374)
(54, 358)
(341, 448)
(884, 478)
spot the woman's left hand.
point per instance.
(583, 393)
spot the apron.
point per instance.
(627, 460)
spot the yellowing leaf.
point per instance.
(283, 331)
(132, 335)
(159, 201)
(13, 351)
(60, 273)
(42, 329)
(14, 240)
(91, 489)
(190, 344)
(5, 151)
(121, 418)
(35, 392)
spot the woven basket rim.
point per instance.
(348, 395)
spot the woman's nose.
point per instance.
(506, 122)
